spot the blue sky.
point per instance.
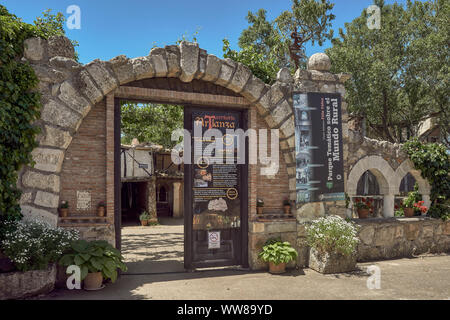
(132, 27)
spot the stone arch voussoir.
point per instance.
(408, 167)
(73, 97)
(379, 167)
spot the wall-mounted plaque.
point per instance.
(83, 200)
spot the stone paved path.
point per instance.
(154, 249)
(418, 278)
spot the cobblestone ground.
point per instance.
(159, 250)
(154, 249)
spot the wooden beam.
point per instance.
(179, 97)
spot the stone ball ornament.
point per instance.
(320, 62)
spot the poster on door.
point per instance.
(318, 147)
(216, 201)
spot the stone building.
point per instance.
(78, 158)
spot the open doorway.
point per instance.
(152, 225)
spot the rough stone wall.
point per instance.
(260, 232)
(392, 238)
(20, 285)
(360, 147)
(99, 232)
(84, 167)
(404, 237)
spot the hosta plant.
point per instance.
(333, 234)
(95, 256)
(277, 252)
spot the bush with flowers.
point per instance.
(33, 245)
(333, 234)
(414, 200)
(363, 203)
(418, 206)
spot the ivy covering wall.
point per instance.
(433, 161)
(19, 107)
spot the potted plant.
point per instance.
(97, 260)
(286, 206)
(408, 205)
(144, 217)
(277, 253)
(101, 209)
(333, 242)
(362, 207)
(64, 208)
(259, 206)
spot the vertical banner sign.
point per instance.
(216, 186)
(318, 147)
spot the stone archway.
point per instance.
(424, 187)
(69, 91)
(385, 175)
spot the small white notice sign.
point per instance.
(83, 200)
(213, 239)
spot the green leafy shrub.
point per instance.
(333, 234)
(144, 216)
(399, 213)
(94, 256)
(277, 252)
(433, 161)
(33, 245)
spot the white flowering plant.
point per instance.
(33, 245)
(333, 234)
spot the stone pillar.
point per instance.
(426, 200)
(318, 78)
(388, 205)
(177, 200)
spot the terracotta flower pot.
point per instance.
(277, 268)
(101, 211)
(63, 212)
(287, 209)
(363, 213)
(93, 281)
(144, 222)
(259, 210)
(409, 212)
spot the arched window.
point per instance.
(367, 184)
(407, 184)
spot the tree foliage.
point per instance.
(264, 45)
(400, 72)
(19, 104)
(150, 122)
